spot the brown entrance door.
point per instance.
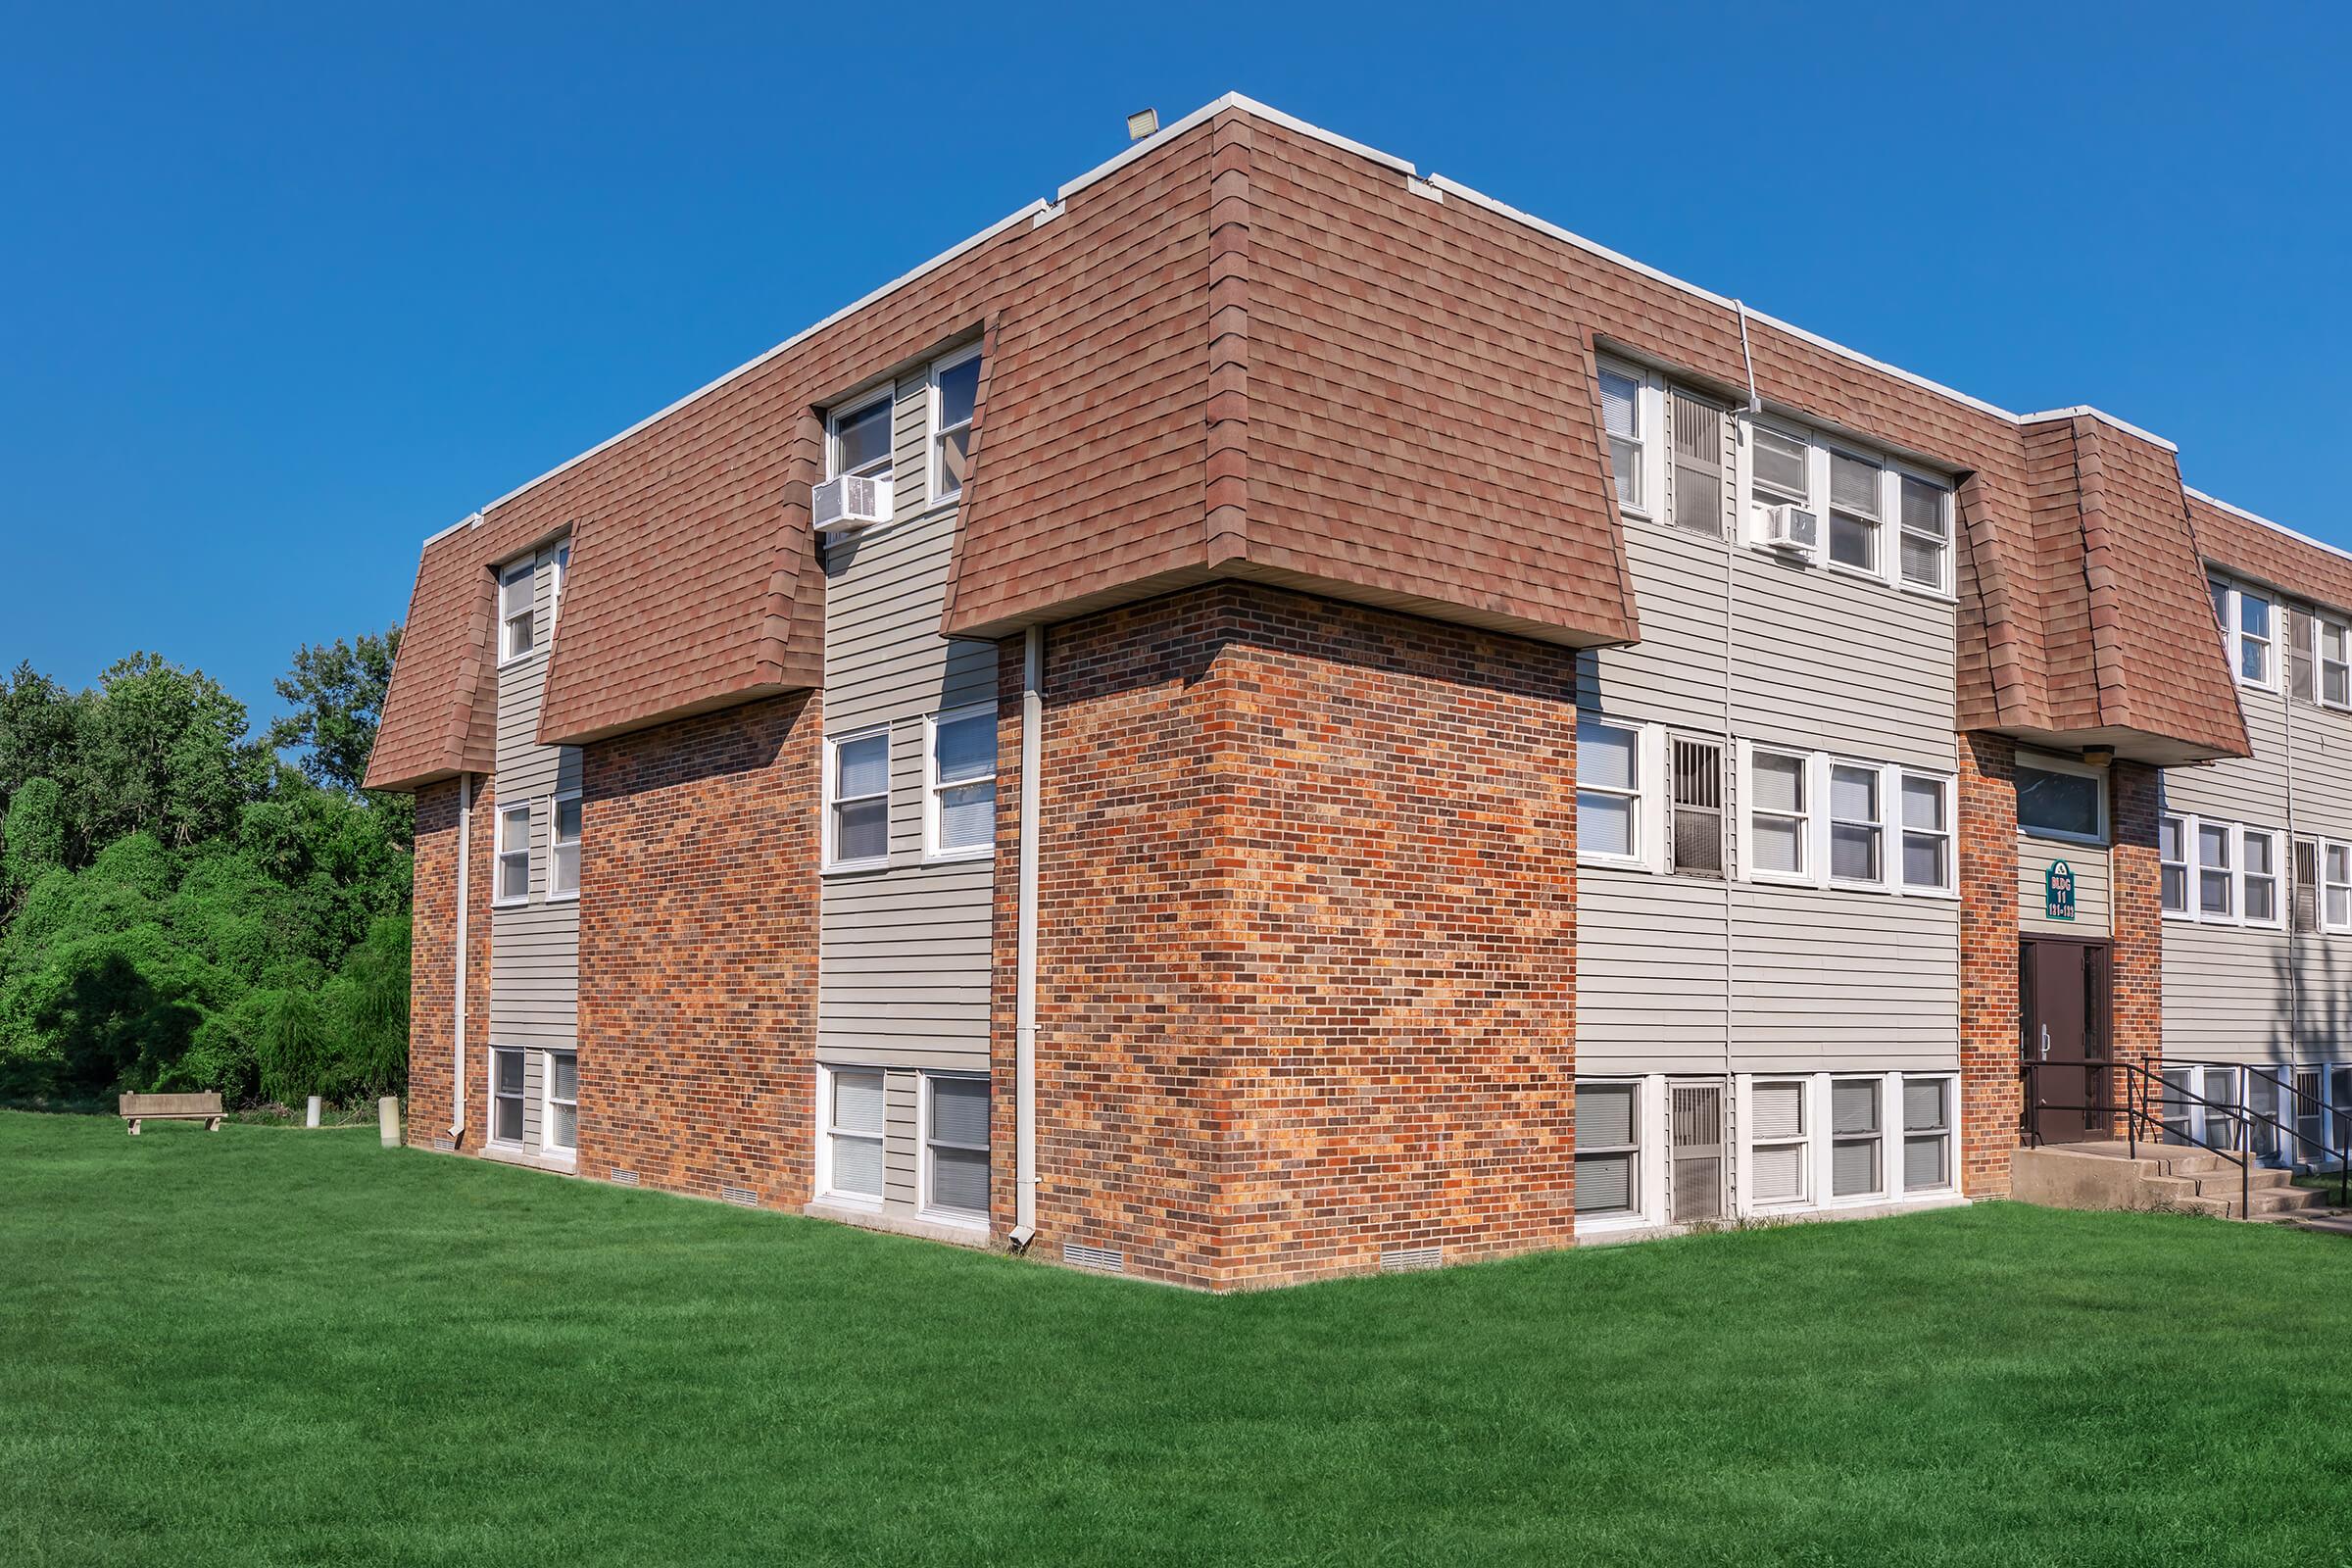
(2061, 1004)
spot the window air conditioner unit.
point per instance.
(1788, 527)
(849, 503)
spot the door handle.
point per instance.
(2045, 1042)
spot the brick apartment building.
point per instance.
(1354, 727)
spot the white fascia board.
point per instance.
(2260, 520)
(2083, 410)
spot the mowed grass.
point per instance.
(280, 1346)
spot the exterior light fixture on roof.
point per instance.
(1142, 122)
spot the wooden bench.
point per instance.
(206, 1108)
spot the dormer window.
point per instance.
(517, 631)
(861, 439)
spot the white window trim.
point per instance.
(2235, 638)
(2187, 865)
(1648, 1184)
(1649, 796)
(1745, 1151)
(526, 572)
(836, 417)
(1826, 1144)
(1898, 1178)
(1744, 782)
(1650, 416)
(2327, 926)
(500, 852)
(825, 1190)
(1947, 789)
(923, 1143)
(1893, 470)
(520, 1098)
(2281, 875)
(2041, 762)
(549, 1100)
(1829, 451)
(1946, 588)
(934, 431)
(555, 815)
(933, 855)
(2321, 661)
(1817, 825)
(833, 744)
(555, 596)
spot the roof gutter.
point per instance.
(1024, 1007)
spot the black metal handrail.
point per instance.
(2136, 1116)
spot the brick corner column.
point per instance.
(2136, 968)
(1991, 1093)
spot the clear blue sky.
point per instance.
(288, 289)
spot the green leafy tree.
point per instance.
(336, 692)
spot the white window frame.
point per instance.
(1647, 1090)
(1750, 500)
(925, 1142)
(2327, 925)
(1831, 821)
(520, 1098)
(1808, 874)
(933, 852)
(1950, 833)
(1648, 794)
(549, 1100)
(2187, 865)
(1831, 452)
(827, 1132)
(831, 781)
(1650, 438)
(2341, 634)
(555, 596)
(557, 892)
(504, 851)
(936, 433)
(1942, 587)
(1892, 471)
(1802, 1143)
(836, 417)
(2235, 837)
(526, 573)
(2041, 762)
(2231, 597)
(1898, 1179)
(1831, 1139)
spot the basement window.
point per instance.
(956, 1146)
(1926, 1134)
(1779, 1150)
(506, 1096)
(852, 1148)
(1854, 1137)
(1608, 1148)
(562, 1111)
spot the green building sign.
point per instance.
(2058, 891)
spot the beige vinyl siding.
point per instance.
(1686, 975)
(904, 956)
(2233, 994)
(2094, 873)
(534, 947)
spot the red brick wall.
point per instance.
(432, 975)
(1306, 914)
(2136, 961)
(1991, 1093)
(698, 952)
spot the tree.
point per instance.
(337, 690)
(164, 752)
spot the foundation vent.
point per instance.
(742, 1196)
(1110, 1259)
(627, 1178)
(447, 1145)
(1405, 1260)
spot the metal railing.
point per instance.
(2140, 1082)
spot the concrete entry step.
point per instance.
(2160, 1176)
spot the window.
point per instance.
(2061, 801)
(1927, 543)
(1609, 1148)
(1695, 845)
(2335, 886)
(514, 595)
(2259, 856)
(861, 439)
(563, 850)
(2246, 615)
(2171, 856)
(857, 800)
(1777, 468)
(1696, 501)
(506, 1096)
(1778, 1151)
(1854, 1137)
(555, 596)
(1781, 827)
(1855, 820)
(961, 798)
(1854, 512)
(514, 854)
(1926, 1134)
(955, 1146)
(1621, 413)
(854, 1134)
(562, 1119)
(1609, 790)
(2336, 665)
(2216, 885)
(2303, 893)
(1927, 832)
(954, 389)
(2302, 655)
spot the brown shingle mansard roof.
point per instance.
(1249, 348)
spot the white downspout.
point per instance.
(1024, 1013)
(457, 1082)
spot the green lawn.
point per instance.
(267, 1347)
